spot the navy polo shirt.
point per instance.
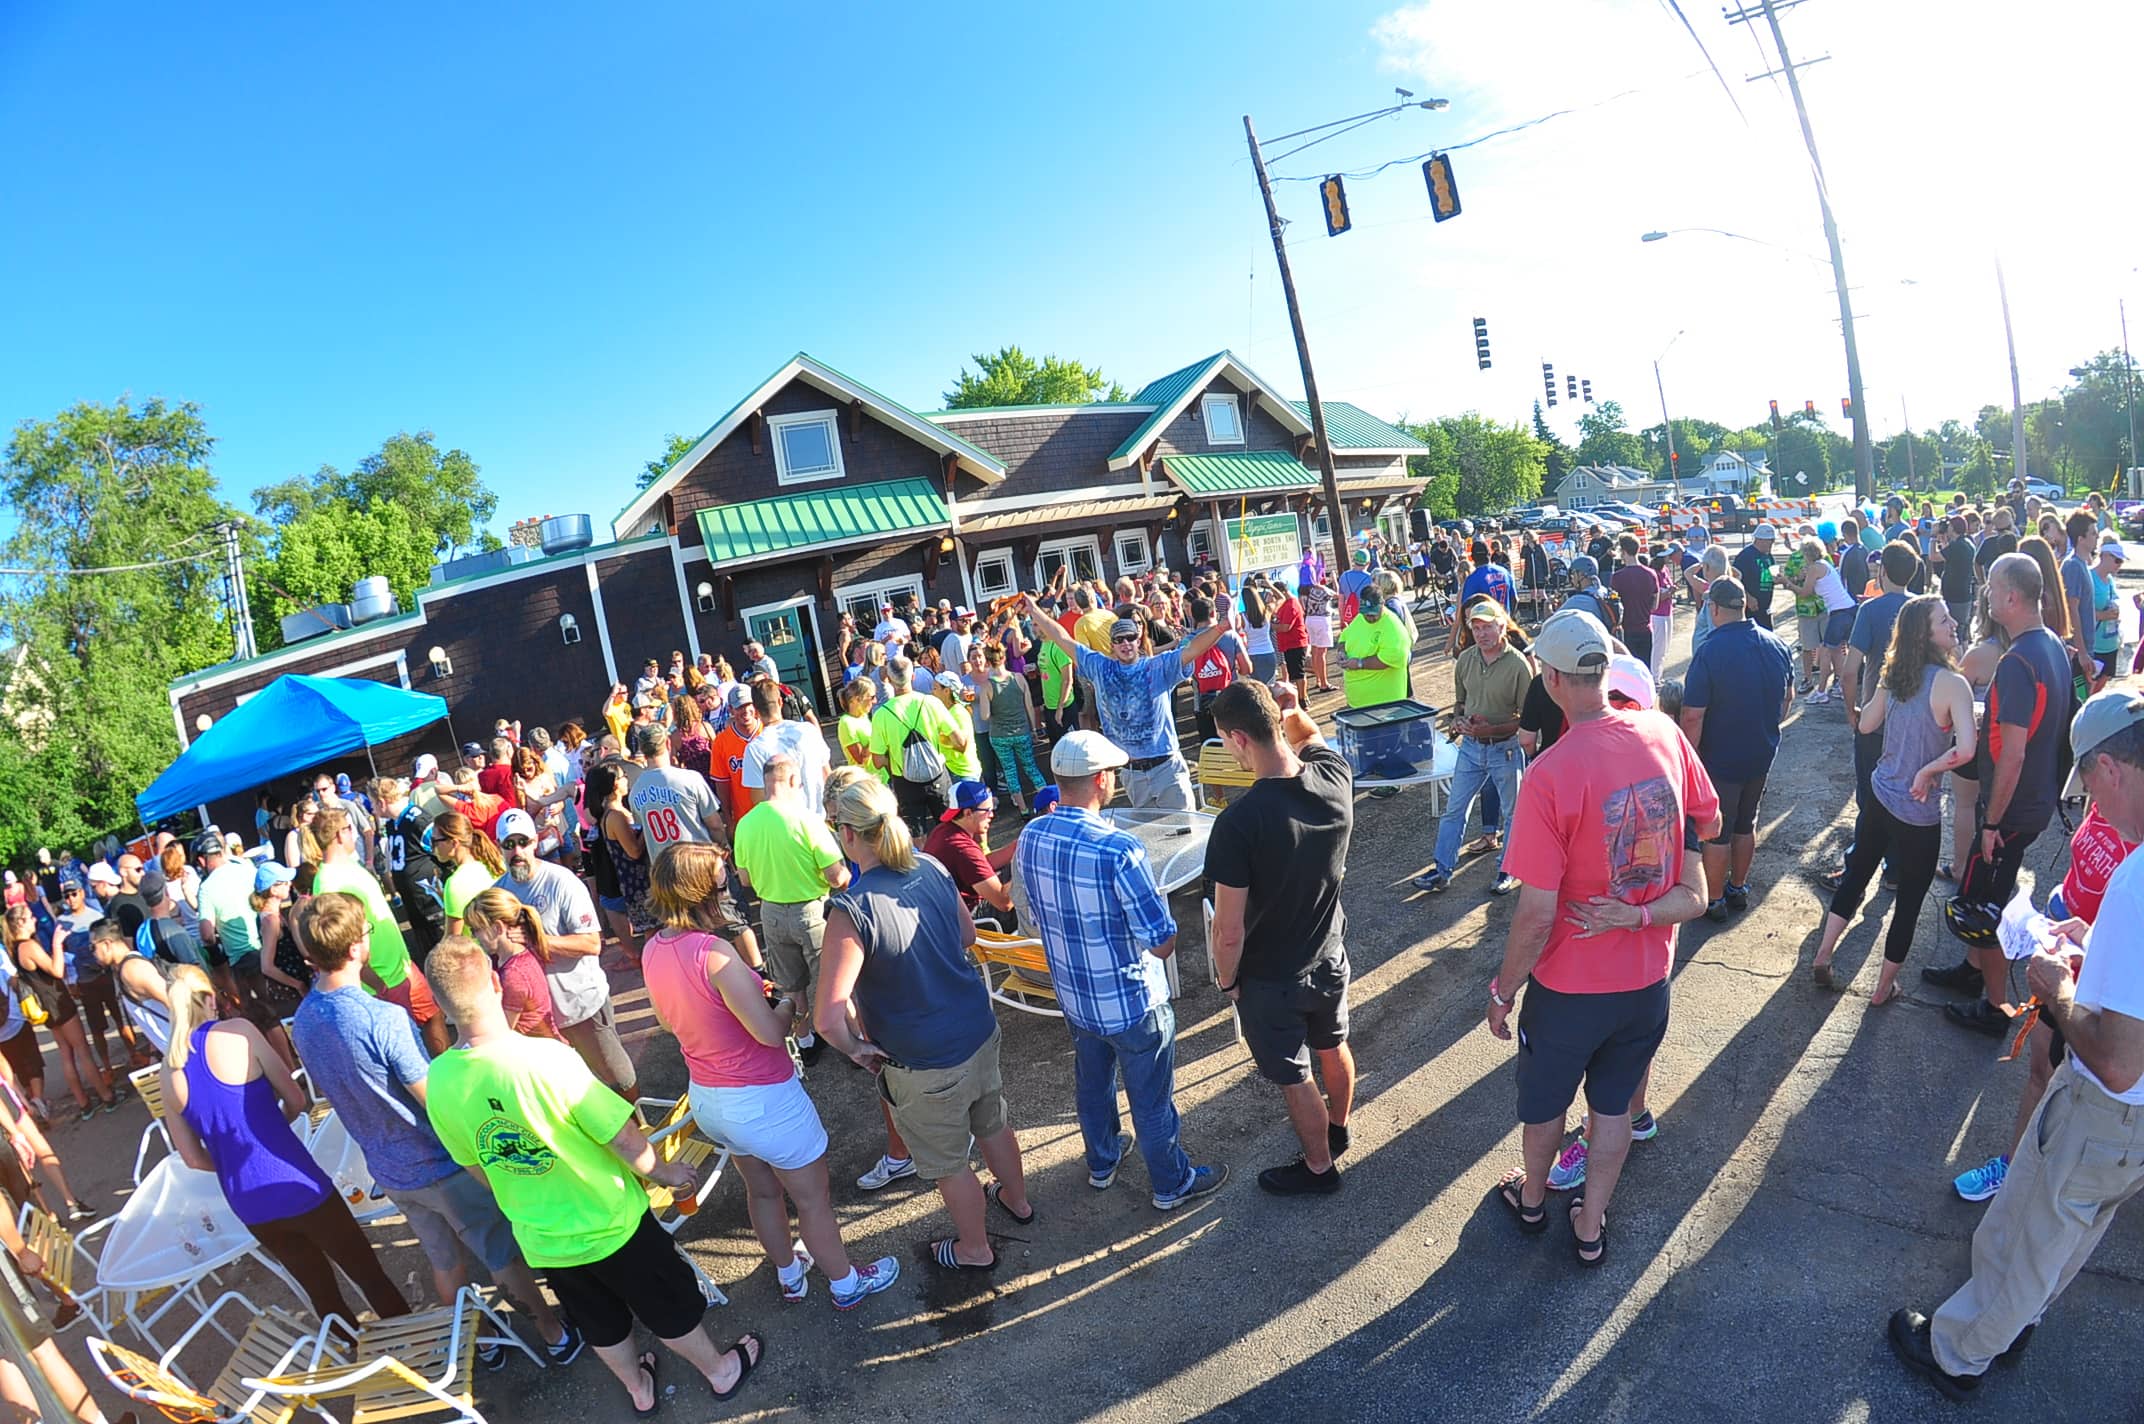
(1740, 679)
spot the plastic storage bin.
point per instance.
(1388, 742)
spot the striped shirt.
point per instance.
(1098, 912)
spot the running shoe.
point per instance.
(1506, 882)
(567, 1347)
(1205, 1181)
(1737, 896)
(1961, 976)
(1717, 912)
(889, 1169)
(1570, 1168)
(1979, 1016)
(1983, 1181)
(871, 1280)
(797, 1290)
(1295, 1179)
(1436, 882)
(1103, 1181)
(491, 1355)
(1643, 1128)
(1814, 698)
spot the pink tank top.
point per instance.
(719, 1051)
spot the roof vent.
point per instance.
(313, 622)
(563, 533)
(371, 599)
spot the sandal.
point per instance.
(1945, 872)
(996, 1192)
(747, 1361)
(943, 1253)
(1879, 998)
(1598, 1245)
(648, 1363)
(1532, 1220)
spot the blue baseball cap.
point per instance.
(1047, 798)
(272, 872)
(967, 796)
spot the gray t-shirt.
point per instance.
(563, 907)
(674, 805)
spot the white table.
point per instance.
(173, 1233)
(1175, 844)
(343, 1160)
(1443, 763)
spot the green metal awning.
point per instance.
(836, 515)
(1252, 472)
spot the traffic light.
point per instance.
(1443, 191)
(1808, 407)
(1846, 407)
(1777, 423)
(1548, 380)
(1481, 343)
(1334, 192)
(1587, 387)
(1570, 388)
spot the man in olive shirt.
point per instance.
(1491, 679)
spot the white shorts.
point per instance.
(1320, 630)
(774, 1122)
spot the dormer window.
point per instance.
(806, 447)
(1224, 420)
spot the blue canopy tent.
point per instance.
(293, 723)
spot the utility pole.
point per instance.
(2129, 390)
(234, 590)
(1864, 453)
(1337, 525)
(1907, 417)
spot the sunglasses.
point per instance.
(515, 843)
(1128, 638)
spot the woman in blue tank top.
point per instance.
(229, 1104)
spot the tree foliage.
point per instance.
(1556, 452)
(1436, 468)
(674, 448)
(94, 487)
(1012, 377)
(1604, 438)
(1478, 466)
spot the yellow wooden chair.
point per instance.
(410, 1367)
(1017, 972)
(677, 1138)
(1219, 777)
(273, 1340)
(148, 1085)
(64, 1256)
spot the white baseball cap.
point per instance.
(1633, 679)
(1084, 753)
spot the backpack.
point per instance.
(794, 707)
(1607, 606)
(1214, 670)
(921, 762)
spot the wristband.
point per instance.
(1645, 917)
(1497, 999)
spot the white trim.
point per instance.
(684, 598)
(1035, 501)
(876, 590)
(178, 720)
(1089, 542)
(556, 563)
(831, 419)
(595, 597)
(988, 468)
(1234, 402)
(1014, 412)
(1012, 574)
(1191, 539)
(1139, 565)
(296, 652)
(399, 657)
(808, 625)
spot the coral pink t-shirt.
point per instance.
(719, 1051)
(2095, 851)
(1601, 813)
(526, 995)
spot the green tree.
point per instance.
(443, 490)
(1012, 377)
(1804, 446)
(1976, 473)
(1913, 460)
(1437, 468)
(674, 448)
(2095, 418)
(1604, 438)
(319, 557)
(1558, 454)
(1499, 467)
(94, 487)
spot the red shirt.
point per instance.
(1289, 631)
(1601, 813)
(962, 858)
(726, 762)
(2095, 851)
(498, 779)
(526, 996)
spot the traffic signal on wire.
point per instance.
(1570, 388)
(1777, 423)
(1548, 380)
(1334, 194)
(1587, 387)
(1846, 407)
(1443, 191)
(1481, 343)
(1808, 407)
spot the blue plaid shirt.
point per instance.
(1097, 911)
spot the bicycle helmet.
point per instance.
(1973, 921)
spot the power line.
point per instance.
(112, 568)
(1676, 8)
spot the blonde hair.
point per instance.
(686, 877)
(329, 927)
(460, 973)
(495, 908)
(867, 807)
(326, 829)
(843, 777)
(193, 1003)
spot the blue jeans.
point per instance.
(1479, 767)
(1016, 758)
(1146, 1054)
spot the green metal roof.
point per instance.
(1350, 427)
(760, 527)
(1252, 472)
(1163, 395)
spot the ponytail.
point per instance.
(868, 808)
(193, 1003)
(454, 826)
(496, 907)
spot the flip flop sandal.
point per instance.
(1532, 1220)
(943, 1253)
(996, 1192)
(1598, 1245)
(648, 1363)
(747, 1361)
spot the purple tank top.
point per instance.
(265, 1172)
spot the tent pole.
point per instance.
(371, 763)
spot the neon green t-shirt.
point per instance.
(1056, 665)
(468, 881)
(855, 732)
(389, 958)
(913, 711)
(784, 849)
(1384, 640)
(529, 1113)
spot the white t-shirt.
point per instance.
(803, 744)
(890, 630)
(673, 805)
(2113, 973)
(563, 906)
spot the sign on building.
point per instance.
(1264, 543)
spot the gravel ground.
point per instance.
(1799, 1191)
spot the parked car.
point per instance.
(2043, 488)
(1628, 513)
(1531, 518)
(1464, 528)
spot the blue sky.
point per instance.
(553, 234)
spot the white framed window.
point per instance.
(1321, 530)
(994, 577)
(1135, 554)
(1224, 419)
(1082, 554)
(1199, 542)
(861, 600)
(807, 447)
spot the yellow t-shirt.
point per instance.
(1092, 630)
(855, 735)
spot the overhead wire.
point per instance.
(111, 568)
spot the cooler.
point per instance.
(1392, 741)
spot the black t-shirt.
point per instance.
(1285, 840)
(1958, 556)
(1992, 548)
(1443, 560)
(128, 909)
(1540, 715)
(2032, 694)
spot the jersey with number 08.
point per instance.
(673, 805)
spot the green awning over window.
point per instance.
(837, 514)
(1252, 472)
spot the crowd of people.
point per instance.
(436, 944)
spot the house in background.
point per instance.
(1589, 485)
(1736, 472)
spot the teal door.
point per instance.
(782, 633)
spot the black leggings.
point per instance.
(313, 1243)
(1913, 852)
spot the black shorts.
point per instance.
(1602, 1040)
(1284, 1019)
(1738, 807)
(27, 1059)
(647, 1279)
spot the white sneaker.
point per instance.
(889, 1169)
(802, 1288)
(870, 1280)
